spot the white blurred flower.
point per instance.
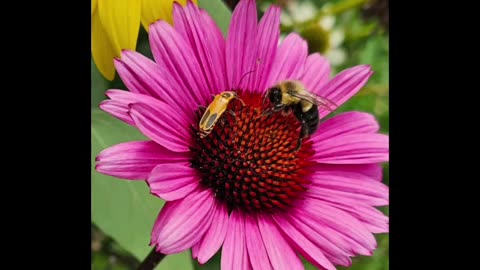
(327, 22)
(323, 36)
(335, 53)
(296, 12)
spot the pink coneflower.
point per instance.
(244, 188)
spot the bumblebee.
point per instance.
(215, 111)
(291, 96)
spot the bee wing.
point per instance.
(317, 100)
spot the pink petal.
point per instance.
(162, 124)
(134, 160)
(374, 171)
(373, 219)
(357, 184)
(290, 60)
(119, 102)
(352, 149)
(217, 37)
(281, 255)
(303, 244)
(266, 42)
(214, 237)
(256, 250)
(190, 24)
(329, 236)
(127, 97)
(350, 187)
(178, 62)
(182, 223)
(138, 73)
(319, 192)
(233, 251)
(317, 72)
(345, 85)
(172, 181)
(142, 75)
(118, 110)
(240, 47)
(334, 253)
(347, 122)
(196, 248)
(246, 260)
(341, 223)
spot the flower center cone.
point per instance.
(251, 161)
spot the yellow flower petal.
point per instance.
(154, 10)
(121, 21)
(94, 6)
(102, 49)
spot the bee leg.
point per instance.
(303, 134)
(265, 113)
(299, 144)
(264, 100)
(280, 107)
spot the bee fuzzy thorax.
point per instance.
(291, 96)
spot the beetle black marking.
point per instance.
(211, 120)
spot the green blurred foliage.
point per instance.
(107, 254)
(123, 212)
(218, 11)
(366, 42)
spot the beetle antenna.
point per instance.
(244, 75)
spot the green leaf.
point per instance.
(212, 264)
(100, 261)
(123, 209)
(376, 53)
(220, 13)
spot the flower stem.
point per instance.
(151, 261)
